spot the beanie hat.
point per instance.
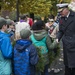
(2, 22)
(10, 22)
(25, 33)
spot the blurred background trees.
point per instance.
(37, 7)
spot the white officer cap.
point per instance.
(61, 6)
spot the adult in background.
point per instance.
(67, 33)
(29, 20)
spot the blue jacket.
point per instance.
(5, 54)
(25, 58)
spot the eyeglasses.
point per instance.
(51, 21)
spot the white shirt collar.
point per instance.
(68, 15)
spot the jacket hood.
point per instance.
(39, 34)
(21, 45)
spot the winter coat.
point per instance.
(5, 54)
(18, 27)
(40, 34)
(67, 30)
(55, 31)
(25, 58)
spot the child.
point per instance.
(25, 55)
(21, 25)
(5, 49)
(41, 39)
(49, 24)
(11, 29)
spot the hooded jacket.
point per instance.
(25, 58)
(40, 34)
(5, 54)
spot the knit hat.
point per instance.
(25, 33)
(2, 22)
(10, 22)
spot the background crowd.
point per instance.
(31, 47)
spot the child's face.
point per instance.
(51, 23)
(11, 27)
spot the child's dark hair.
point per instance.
(39, 25)
(23, 17)
(51, 16)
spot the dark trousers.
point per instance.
(69, 71)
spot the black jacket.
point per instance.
(67, 33)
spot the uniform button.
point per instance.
(70, 37)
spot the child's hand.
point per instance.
(57, 40)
